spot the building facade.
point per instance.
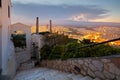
(6, 46)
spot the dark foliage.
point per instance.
(19, 40)
(65, 48)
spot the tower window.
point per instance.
(9, 11)
(0, 3)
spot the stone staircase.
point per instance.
(27, 65)
(3, 77)
(48, 74)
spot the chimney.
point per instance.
(37, 25)
(50, 26)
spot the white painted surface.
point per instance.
(11, 64)
(7, 59)
(0, 16)
(0, 47)
(5, 22)
(38, 40)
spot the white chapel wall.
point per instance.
(0, 38)
(5, 34)
(8, 63)
(0, 47)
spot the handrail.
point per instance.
(94, 44)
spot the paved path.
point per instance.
(48, 74)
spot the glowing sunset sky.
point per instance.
(62, 11)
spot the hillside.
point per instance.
(96, 34)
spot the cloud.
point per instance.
(88, 17)
(50, 2)
(90, 13)
(81, 17)
(58, 12)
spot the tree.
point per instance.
(86, 41)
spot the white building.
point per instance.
(6, 48)
(7, 53)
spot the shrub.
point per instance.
(19, 40)
(71, 51)
(56, 52)
(45, 51)
(65, 48)
(60, 39)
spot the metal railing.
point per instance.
(94, 44)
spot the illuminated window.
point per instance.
(0, 3)
(9, 11)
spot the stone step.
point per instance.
(48, 74)
(76, 77)
(27, 65)
(86, 78)
(4, 77)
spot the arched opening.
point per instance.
(19, 40)
(23, 51)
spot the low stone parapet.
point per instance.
(102, 68)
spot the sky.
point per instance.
(65, 11)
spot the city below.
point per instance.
(95, 34)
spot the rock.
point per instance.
(99, 74)
(86, 64)
(105, 60)
(108, 75)
(85, 68)
(27, 65)
(98, 65)
(118, 78)
(91, 73)
(89, 61)
(92, 67)
(96, 79)
(86, 60)
(80, 61)
(86, 78)
(83, 72)
(69, 78)
(113, 69)
(106, 67)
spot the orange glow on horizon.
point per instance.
(96, 37)
(93, 36)
(110, 19)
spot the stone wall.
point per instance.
(102, 68)
(11, 62)
(22, 57)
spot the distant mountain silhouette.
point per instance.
(89, 24)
